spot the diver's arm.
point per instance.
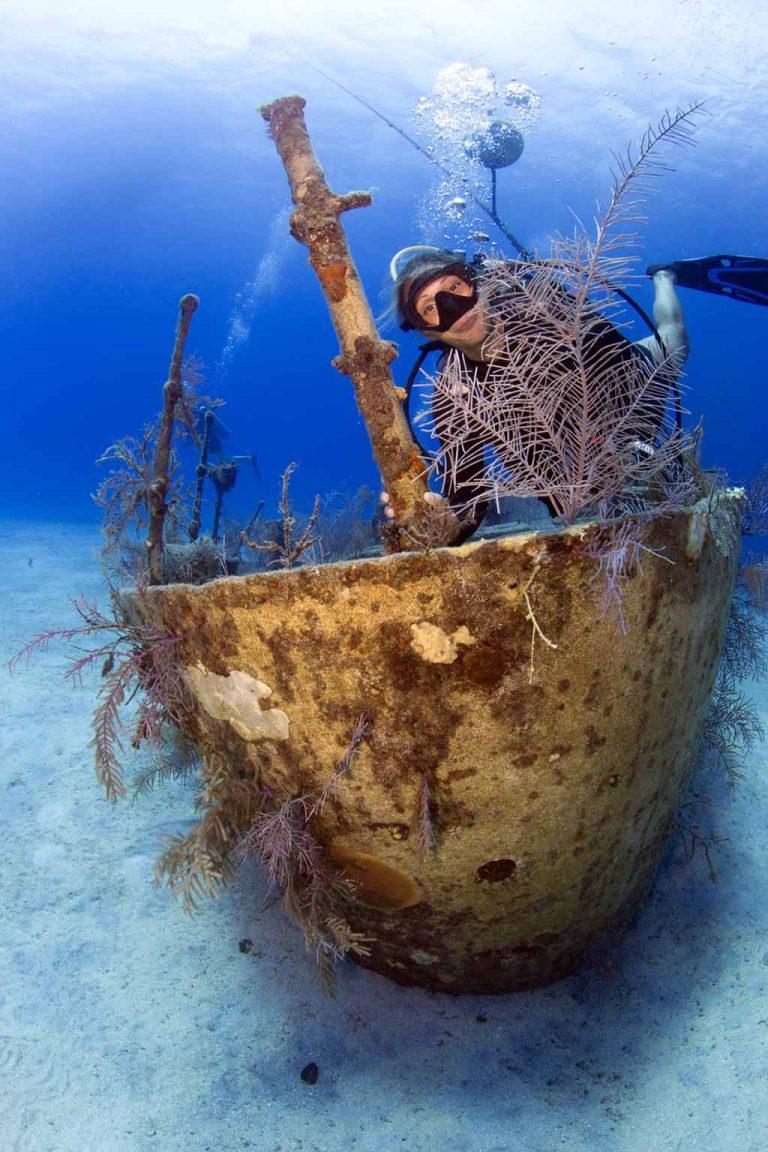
(465, 517)
(670, 323)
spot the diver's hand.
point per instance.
(431, 498)
(437, 526)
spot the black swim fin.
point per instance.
(739, 277)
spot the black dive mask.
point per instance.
(450, 306)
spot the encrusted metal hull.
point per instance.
(553, 774)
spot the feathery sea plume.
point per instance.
(744, 655)
(731, 730)
(618, 549)
(619, 544)
(754, 516)
(732, 727)
(753, 575)
(177, 759)
(202, 863)
(347, 526)
(133, 658)
(124, 493)
(281, 836)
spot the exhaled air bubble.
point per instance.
(470, 123)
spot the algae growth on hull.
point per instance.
(553, 774)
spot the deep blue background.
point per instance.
(122, 196)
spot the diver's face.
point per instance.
(469, 331)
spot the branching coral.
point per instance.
(144, 492)
(522, 596)
(536, 631)
(694, 836)
(287, 550)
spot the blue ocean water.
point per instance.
(136, 169)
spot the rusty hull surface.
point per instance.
(552, 798)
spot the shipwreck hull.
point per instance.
(553, 778)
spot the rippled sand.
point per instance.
(125, 1026)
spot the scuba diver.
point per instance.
(435, 293)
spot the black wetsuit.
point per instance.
(461, 485)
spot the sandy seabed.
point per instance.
(127, 1026)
